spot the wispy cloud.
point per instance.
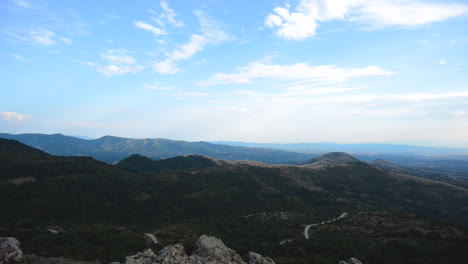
(66, 40)
(166, 16)
(14, 117)
(442, 62)
(298, 71)
(96, 125)
(157, 87)
(42, 36)
(118, 63)
(145, 26)
(302, 23)
(212, 32)
(18, 57)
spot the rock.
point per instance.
(173, 254)
(211, 250)
(255, 258)
(10, 251)
(351, 261)
(145, 257)
(354, 261)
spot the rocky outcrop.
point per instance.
(213, 251)
(210, 250)
(10, 251)
(173, 254)
(351, 261)
(255, 258)
(145, 257)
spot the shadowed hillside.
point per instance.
(140, 164)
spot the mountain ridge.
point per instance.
(112, 149)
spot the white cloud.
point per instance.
(442, 62)
(166, 66)
(408, 12)
(119, 62)
(157, 87)
(42, 37)
(212, 32)
(118, 56)
(298, 71)
(12, 116)
(18, 57)
(145, 26)
(303, 22)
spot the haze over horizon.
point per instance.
(264, 71)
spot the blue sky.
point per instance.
(260, 71)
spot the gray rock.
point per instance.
(10, 251)
(354, 261)
(255, 258)
(351, 261)
(211, 250)
(173, 254)
(145, 257)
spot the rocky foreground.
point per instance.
(210, 250)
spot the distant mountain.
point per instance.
(140, 164)
(355, 148)
(113, 149)
(332, 158)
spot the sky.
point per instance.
(347, 71)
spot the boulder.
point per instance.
(211, 250)
(10, 251)
(351, 261)
(145, 257)
(255, 258)
(173, 254)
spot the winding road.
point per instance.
(306, 230)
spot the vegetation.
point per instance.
(106, 210)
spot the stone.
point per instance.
(10, 251)
(211, 250)
(255, 258)
(173, 254)
(351, 261)
(145, 257)
(354, 261)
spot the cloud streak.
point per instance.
(298, 71)
(147, 27)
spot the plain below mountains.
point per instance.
(113, 149)
(106, 210)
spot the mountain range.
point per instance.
(113, 149)
(106, 209)
(431, 162)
